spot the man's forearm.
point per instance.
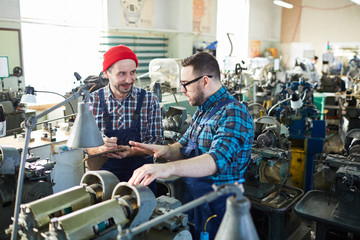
(199, 166)
(174, 152)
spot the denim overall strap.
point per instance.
(216, 108)
(136, 116)
(192, 150)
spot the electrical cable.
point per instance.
(278, 103)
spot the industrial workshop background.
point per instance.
(295, 64)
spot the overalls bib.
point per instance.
(198, 187)
(124, 168)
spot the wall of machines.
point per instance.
(288, 152)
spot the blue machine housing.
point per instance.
(303, 124)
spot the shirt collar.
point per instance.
(213, 99)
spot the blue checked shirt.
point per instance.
(227, 136)
(151, 129)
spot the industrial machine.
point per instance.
(268, 85)
(264, 80)
(235, 82)
(354, 71)
(13, 110)
(10, 100)
(90, 83)
(37, 182)
(175, 121)
(166, 72)
(236, 224)
(331, 84)
(256, 110)
(128, 207)
(296, 110)
(265, 181)
(304, 68)
(132, 212)
(351, 118)
(336, 209)
(35, 216)
(270, 158)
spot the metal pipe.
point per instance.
(20, 184)
(227, 189)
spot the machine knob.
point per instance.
(344, 179)
(266, 139)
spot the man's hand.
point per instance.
(158, 151)
(126, 151)
(109, 144)
(149, 172)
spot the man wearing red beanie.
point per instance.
(125, 112)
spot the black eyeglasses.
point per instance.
(194, 80)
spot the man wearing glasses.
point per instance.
(214, 150)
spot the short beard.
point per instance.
(199, 99)
(118, 89)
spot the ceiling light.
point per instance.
(356, 1)
(285, 4)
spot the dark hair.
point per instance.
(203, 63)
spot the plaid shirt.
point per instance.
(151, 130)
(227, 136)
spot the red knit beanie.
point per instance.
(117, 53)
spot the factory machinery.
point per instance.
(351, 118)
(270, 158)
(289, 137)
(266, 181)
(336, 208)
(296, 110)
(176, 121)
(236, 82)
(37, 182)
(102, 208)
(12, 108)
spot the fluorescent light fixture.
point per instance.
(287, 5)
(356, 1)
